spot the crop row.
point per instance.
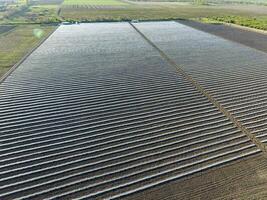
(235, 75)
(91, 7)
(105, 125)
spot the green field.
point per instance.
(117, 10)
(19, 41)
(217, 2)
(95, 2)
(155, 12)
(259, 2)
(34, 14)
(252, 22)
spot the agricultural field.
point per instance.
(223, 70)
(154, 12)
(245, 180)
(34, 14)
(212, 2)
(17, 42)
(4, 29)
(87, 5)
(75, 125)
(252, 22)
(47, 2)
(55, 11)
(98, 139)
(253, 39)
(257, 2)
(12, 10)
(95, 2)
(172, 107)
(165, 11)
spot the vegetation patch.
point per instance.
(253, 22)
(145, 13)
(47, 2)
(217, 2)
(35, 14)
(15, 44)
(95, 2)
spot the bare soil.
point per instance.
(244, 179)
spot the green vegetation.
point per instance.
(208, 20)
(33, 11)
(33, 14)
(81, 14)
(148, 12)
(17, 42)
(257, 2)
(95, 2)
(53, 11)
(10, 11)
(217, 2)
(151, 10)
(253, 22)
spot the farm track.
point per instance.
(107, 128)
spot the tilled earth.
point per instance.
(245, 179)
